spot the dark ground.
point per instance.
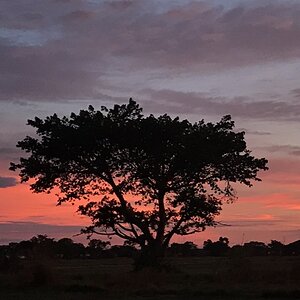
(184, 278)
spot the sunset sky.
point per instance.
(194, 59)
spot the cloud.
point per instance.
(17, 231)
(254, 132)
(251, 221)
(6, 150)
(7, 182)
(286, 204)
(283, 174)
(36, 227)
(9, 151)
(284, 165)
(292, 150)
(243, 107)
(70, 50)
(254, 223)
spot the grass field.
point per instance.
(186, 278)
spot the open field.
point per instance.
(188, 278)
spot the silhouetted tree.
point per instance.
(122, 251)
(276, 247)
(237, 251)
(66, 248)
(99, 244)
(41, 239)
(255, 248)
(184, 249)
(218, 248)
(156, 177)
(293, 248)
(42, 246)
(96, 247)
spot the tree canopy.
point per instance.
(144, 178)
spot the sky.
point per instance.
(195, 59)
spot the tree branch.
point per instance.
(169, 235)
(129, 215)
(123, 235)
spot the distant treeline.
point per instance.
(42, 246)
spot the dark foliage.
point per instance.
(185, 249)
(218, 248)
(153, 177)
(255, 248)
(293, 248)
(66, 248)
(96, 248)
(42, 247)
(276, 247)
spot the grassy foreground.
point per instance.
(186, 278)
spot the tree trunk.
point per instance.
(151, 255)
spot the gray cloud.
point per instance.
(17, 231)
(7, 182)
(7, 150)
(68, 50)
(253, 223)
(292, 150)
(254, 132)
(197, 103)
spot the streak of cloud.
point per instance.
(243, 107)
(17, 231)
(6, 182)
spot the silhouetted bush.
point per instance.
(255, 248)
(185, 249)
(218, 248)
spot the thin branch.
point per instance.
(169, 235)
(134, 231)
(128, 213)
(124, 228)
(222, 224)
(123, 235)
(191, 232)
(96, 232)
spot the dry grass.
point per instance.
(191, 278)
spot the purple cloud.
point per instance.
(292, 150)
(70, 50)
(254, 132)
(198, 103)
(7, 182)
(17, 231)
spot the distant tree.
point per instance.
(237, 251)
(97, 247)
(25, 248)
(66, 248)
(155, 177)
(293, 248)
(41, 239)
(42, 246)
(99, 244)
(255, 248)
(185, 249)
(217, 248)
(122, 251)
(276, 247)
